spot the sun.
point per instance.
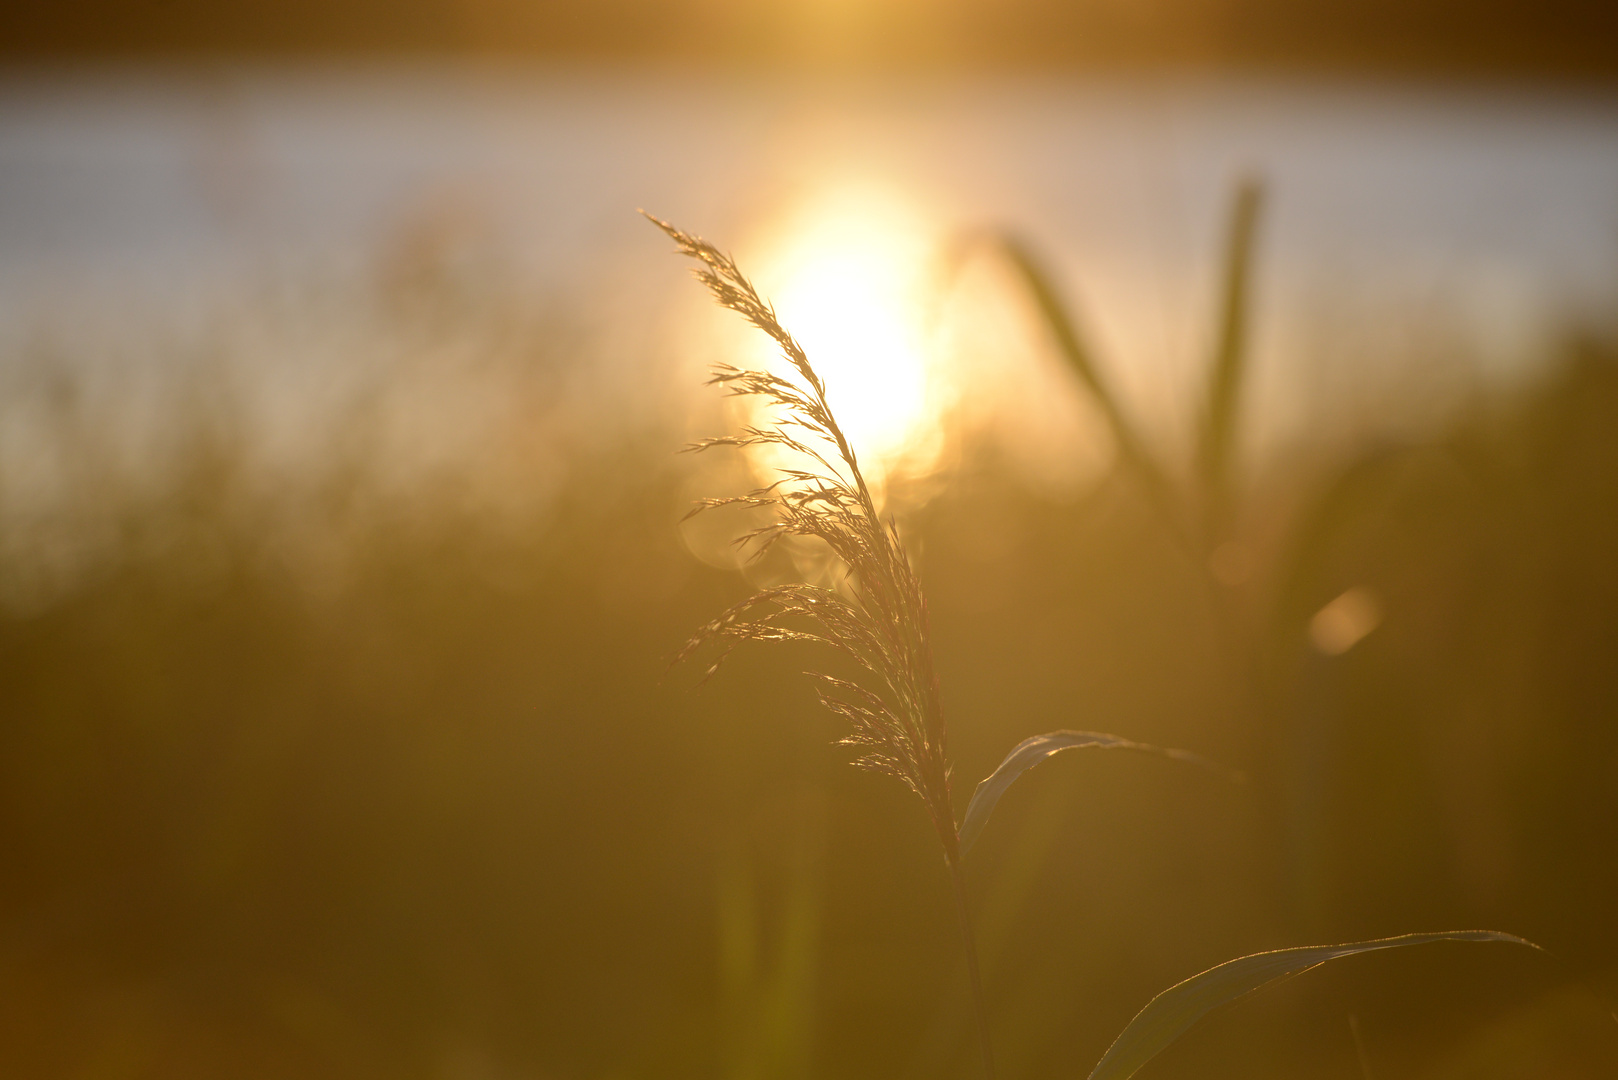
(846, 269)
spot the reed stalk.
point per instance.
(876, 614)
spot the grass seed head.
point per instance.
(878, 617)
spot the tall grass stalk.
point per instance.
(876, 615)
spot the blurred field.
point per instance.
(347, 749)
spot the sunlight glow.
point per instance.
(846, 273)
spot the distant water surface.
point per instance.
(1401, 219)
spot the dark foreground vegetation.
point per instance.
(368, 780)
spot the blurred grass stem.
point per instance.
(958, 882)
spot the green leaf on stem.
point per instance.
(1031, 752)
(1171, 1013)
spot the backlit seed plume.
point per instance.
(879, 617)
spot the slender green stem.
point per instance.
(959, 882)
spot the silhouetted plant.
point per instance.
(877, 616)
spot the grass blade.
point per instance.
(1030, 752)
(1064, 332)
(1171, 1013)
(1229, 362)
